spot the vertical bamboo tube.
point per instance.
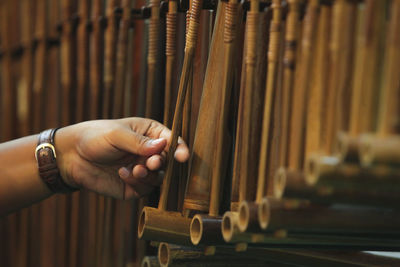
(291, 37)
(170, 52)
(317, 94)
(301, 87)
(154, 28)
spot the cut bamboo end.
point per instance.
(379, 150)
(317, 166)
(205, 229)
(280, 179)
(347, 148)
(264, 213)
(164, 226)
(150, 261)
(229, 221)
(248, 217)
(163, 254)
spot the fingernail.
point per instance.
(155, 142)
(123, 172)
(142, 173)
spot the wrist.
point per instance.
(65, 141)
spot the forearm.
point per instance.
(20, 183)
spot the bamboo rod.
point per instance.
(272, 75)
(291, 37)
(150, 261)
(170, 52)
(379, 150)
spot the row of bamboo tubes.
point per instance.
(289, 109)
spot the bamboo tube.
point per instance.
(298, 216)
(301, 88)
(154, 28)
(150, 261)
(170, 52)
(316, 107)
(388, 117)
(198, 186)
(230, 230)
(379, 150)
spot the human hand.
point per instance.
(119, 158)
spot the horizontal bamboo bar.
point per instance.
(165, 226)
(150, 261)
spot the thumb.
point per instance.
(132, 142)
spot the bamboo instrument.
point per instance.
(170, 52)
(291, 37)
(177, 229)
(207, 228)
(198, 185)
(247, 210)
(154, 28)
(379, 150)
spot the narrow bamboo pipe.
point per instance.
(301, 88)
(168, 253)
(110, 52)
(170, 52)
(230, 230)
(300, 216)
(154, 28)
(291, 37)
(158, 224)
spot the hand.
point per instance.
(119, 158)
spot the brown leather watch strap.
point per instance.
(46, 158)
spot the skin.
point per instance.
(119, 158)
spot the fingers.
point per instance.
(132, 142)
(139, 181)
(182, 151)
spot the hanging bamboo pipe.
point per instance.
(170, 52)
(289, 61)
(206, 229)
(158, 224)
(299, 216)
(247, 211)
